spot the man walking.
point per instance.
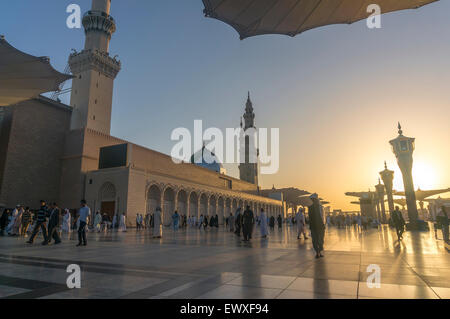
(53, 224)
(26, 221)
(442, 220)
(316, 225)
(231, 222)
(237, 219)
(263, 223)
(41, 218)
(301, 224)
(399, 222)
(175, 220)
(247, 223)
(84, 212)
(157, 231)
(272, 223)
(279, 221)
(3, 219)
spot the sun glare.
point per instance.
(424, 176)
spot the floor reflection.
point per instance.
(194, 263)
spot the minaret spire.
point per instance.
(94, 71)
(249, 115)
(400, 132)
(249, 104)
(249, 169)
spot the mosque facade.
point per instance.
(64, 153)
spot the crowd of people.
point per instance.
(352, 220)
(51, 221)
(48, 220)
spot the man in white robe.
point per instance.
(114, 222)
(9, 228)
(15, 230)
(301, 223)
(123, 224)
(157, 231)
(98, 222)
(66, 222)
(263, 224)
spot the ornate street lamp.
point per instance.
(403, 148)
(380, 192)
(388, 176)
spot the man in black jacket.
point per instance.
(41, 219)
(279, 221)
(399, 222)
(247, 223)
(53, 224)
(3, 219)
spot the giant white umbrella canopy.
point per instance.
(304, 201)
(423, 194)
(23, 76)
(291, 17)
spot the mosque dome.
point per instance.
(207, 159)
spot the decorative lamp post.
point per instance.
(403, 148)
(380, 192)
(388, 176)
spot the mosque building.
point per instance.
(64, 153)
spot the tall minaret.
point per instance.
(249, 171)
(249, 116)
(94, 71)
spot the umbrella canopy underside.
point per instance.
(291, 17)
(23, 76)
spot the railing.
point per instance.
(98, 13)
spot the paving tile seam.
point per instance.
(421, 278)
(119, 267)
(144, 274)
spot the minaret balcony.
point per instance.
(94, 60)
(99, 21)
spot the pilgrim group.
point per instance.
(50, 221)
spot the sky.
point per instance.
(336, 93)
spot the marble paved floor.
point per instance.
(211, 264)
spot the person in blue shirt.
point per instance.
(175, 220)
(84, 213)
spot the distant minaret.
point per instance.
(249, 171)
(249, 116)
(94, 71)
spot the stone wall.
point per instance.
(5, 128)
(35, 147)
(132, 187)
(81, 155)
(155, 162)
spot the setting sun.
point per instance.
(424, 176)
